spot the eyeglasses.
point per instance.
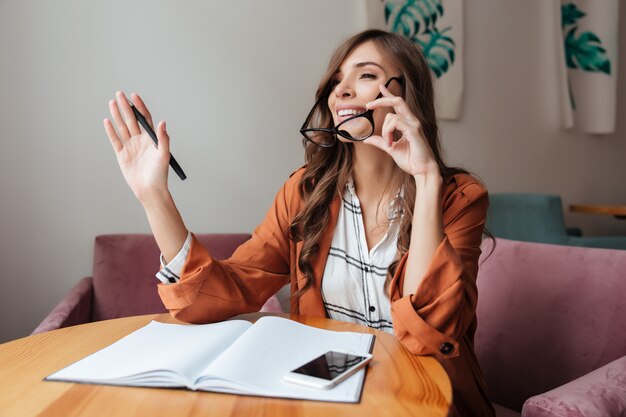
(356, 128)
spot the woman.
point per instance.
(375, 228)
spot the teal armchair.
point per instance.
(539, 218)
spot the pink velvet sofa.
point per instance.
(123, 282)
(551, 336)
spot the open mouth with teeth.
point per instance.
(345, 113)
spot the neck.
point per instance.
(372, 171)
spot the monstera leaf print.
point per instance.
(402, 19)
(438, 49)
(586, 53)
(570, 14)
(417, 20)
(410, 17)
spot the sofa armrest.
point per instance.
(606, 242)
(75, 308)
(600, 393)
(272, 305)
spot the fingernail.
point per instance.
(369, 104)
(163, 126)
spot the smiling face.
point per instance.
(356, 83)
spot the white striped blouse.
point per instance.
(354, 277)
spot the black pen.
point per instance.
(142, 120)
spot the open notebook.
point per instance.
(235, 357)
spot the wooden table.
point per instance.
(397, 383)
(619, 212)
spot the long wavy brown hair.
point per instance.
(328, 169)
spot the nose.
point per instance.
(343, 89)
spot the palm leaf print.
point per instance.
(570, 14)
(409, 17)
(417, 20)
(586, 53)
(402, 20)
(438, 49)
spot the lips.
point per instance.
(344, 112)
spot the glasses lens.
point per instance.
(320, 137)
(358, 128)
(325, 139)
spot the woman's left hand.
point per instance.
(411, 151)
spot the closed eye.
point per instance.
(334, 82)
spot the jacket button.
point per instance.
(446, 348)
(372, 309)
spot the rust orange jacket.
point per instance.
(439, 315)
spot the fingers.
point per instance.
(119, 120)
(386, 139)
(393, 123)
(389, 100)
(141, 106)
(378, 142)
(389, 126)
(115, 140)
(164, 138)
(131, 121)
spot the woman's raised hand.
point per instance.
(144, 166)
(411, 151)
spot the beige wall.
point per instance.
(234, 80)
(510, 131)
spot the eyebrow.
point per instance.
(363, 64)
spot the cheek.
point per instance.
(331, 106)
(331, 102)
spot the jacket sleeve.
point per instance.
(431, 321)
(210, 290)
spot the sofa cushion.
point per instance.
(547, 314)
(527, 217)
(502, 411)
(601, 393)
(124, 272)
(539, 218)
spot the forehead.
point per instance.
(365, 52)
